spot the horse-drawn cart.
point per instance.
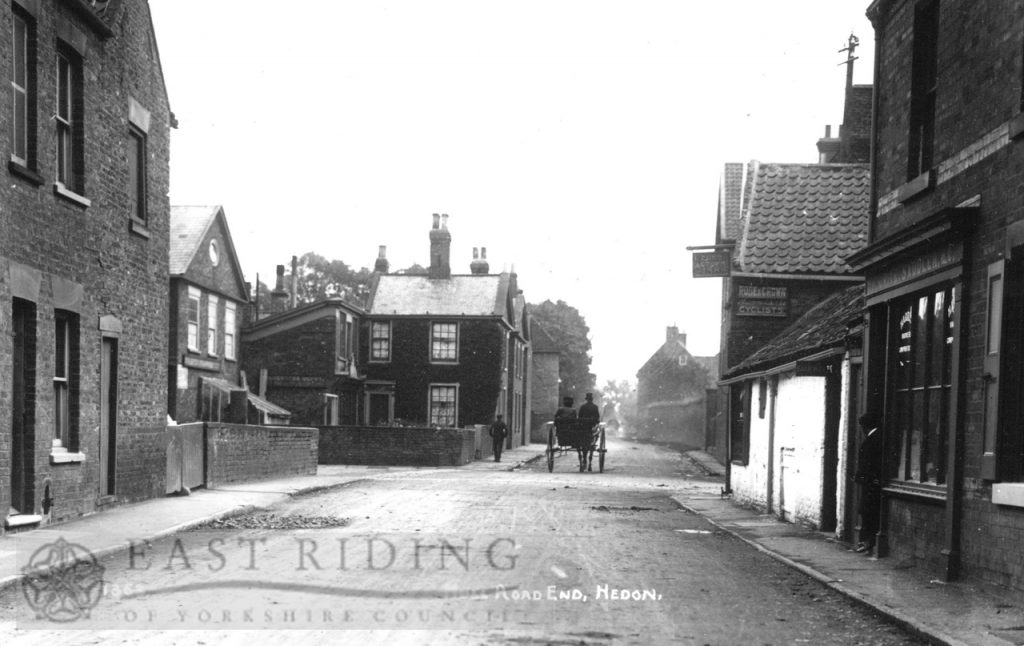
(581, 435)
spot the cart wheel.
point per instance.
(551, 450)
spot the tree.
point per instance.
(622, 395)
(570, 333)
(320, 278)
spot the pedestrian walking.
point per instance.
(869, 477)
(498, 432)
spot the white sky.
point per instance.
(580, 141)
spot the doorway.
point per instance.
(108, 417)
(830, 461)
(23, 396)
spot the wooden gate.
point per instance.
(186, 457)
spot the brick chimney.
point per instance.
(479, 264)
(828, 147)
(672, 334)
(279, 297)
(382, 265)
(440, 248)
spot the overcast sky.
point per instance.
(580, 141)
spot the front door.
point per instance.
(23, 321)
(108, 417)
(379, 410)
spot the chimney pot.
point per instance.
(444, 221)
(278, 297)
(437, 221)
(483, 253)
(440, 249)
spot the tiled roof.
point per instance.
(823, 327)
(462, 295)
(188, 228)
(803, 218)
(730, 202)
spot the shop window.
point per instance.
(921, 378)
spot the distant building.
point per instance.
(83, 259)
(671, 391)
(544, 400)
(447, 349)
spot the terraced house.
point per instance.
(85, 126)
(944, 346)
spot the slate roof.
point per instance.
(459, 295)
(823, 327)
(803, 218)
(730, 202)
(189, 225)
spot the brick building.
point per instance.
(447, 349)
(83, 259)
(304, 360)
(787, 229)
(208, 299)
(945, 284)
(671, 392)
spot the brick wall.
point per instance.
(240, 453)
(91, 248)
(399, 446)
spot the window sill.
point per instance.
(1010, 494)
(920, 184)
(922, 492)
(60, 455)
(24, 172)
(138, 227)
(62, 191)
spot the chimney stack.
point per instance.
(278, 297)
(440, 248)
(381, 265)
(673, 334)
(828, 147)
(479, 264)
(295, 282)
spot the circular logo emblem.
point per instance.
(63, 581)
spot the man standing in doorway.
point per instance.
(869, 477)
(498, 431)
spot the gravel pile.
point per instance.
(274, 521)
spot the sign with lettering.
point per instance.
(295, 381)
(762, 300)
(711, 265)
(930, 262)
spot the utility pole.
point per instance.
(851, 47)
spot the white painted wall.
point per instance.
(749, 483)
(799, 444)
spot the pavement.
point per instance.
(110, 532)
(954, 614)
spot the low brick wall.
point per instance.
(397, 446)
(239, 453)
